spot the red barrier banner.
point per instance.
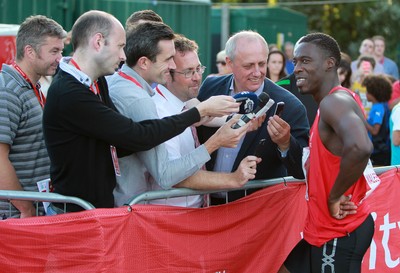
(254, 234)
(384, 252)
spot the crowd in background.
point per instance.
(374, 78)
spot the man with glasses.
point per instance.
(149, 58)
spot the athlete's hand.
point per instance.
(340, 208)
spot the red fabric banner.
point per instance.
(384, 252)
(254, 234)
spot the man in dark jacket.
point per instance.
(285, 136)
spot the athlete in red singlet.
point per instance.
(339, 228)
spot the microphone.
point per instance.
(249, 101)
(264, 104)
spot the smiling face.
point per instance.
(159, 71)
(182, 87)
(310, 67)
(48, 56)
(249, 66)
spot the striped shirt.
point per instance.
(21, 128)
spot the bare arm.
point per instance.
(396, 138)
(206, 180)
(342, 129)
(374, 129)
(9, 181)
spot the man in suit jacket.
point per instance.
(285, 136)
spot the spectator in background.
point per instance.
(141, 16)
(220, 62)
(247, 54)
(379, 90)
(394, 123)
(23, 156)
(276, 65)
(149, 51)
(344, 71)
(288, 48)
(83, 130)
(273, 47)
(367, 48)
(395, 98)
(389, 66)
(365, 67)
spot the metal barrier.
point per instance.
(151, 195)
(38, 197)
(180, 192)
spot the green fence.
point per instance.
(191, 18)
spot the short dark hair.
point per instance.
(183, 44)
(34, 30)
(365, 58)
(89, 23)
(325, 42)
(142, 41)
(346, 66)
(142, 15)
(378, 86)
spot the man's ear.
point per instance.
(228, 61)
(29, 52)
(330, 63)
(97, 40)
(143, 63)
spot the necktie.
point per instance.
(194, 131)
(206, 198)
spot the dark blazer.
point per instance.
(294, 113)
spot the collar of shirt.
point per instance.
(8, 69)
(232, 90)
(75, 72)
(130, 72)
(171, 98)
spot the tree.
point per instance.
(349, 22)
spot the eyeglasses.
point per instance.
(190, 73)
(221, 62)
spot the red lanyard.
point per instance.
(159, 92)
(36, 87)
(96, 89)
(129, 78)
(125, 76)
